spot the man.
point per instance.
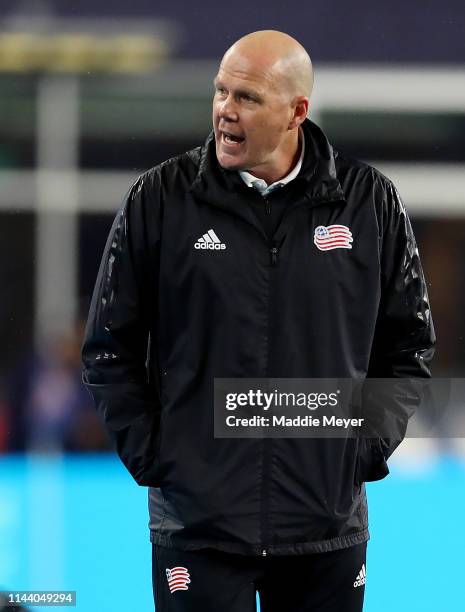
(223, 263)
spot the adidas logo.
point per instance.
(361, 578)
(210, 241)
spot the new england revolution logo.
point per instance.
(328, 237)
(178, 578)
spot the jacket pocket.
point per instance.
(371, 464)
(131, 418)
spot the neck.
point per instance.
(288, 160)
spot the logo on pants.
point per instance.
(178, 578)
(361, 578)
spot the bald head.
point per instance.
(261, 98)
(277, 55)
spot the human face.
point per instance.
(251, 118)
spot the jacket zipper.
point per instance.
(266, 447)
(273, 247)
(274, 253)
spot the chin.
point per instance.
(229, 162)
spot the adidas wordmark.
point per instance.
(361, 578)
(210, 241)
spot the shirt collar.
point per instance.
(252, 181)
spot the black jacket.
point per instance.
(167, 317)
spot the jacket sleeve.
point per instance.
(403, 344)
(119, 333)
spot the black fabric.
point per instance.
(270, 209)
(167, 318)
(326, 582)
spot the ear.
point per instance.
(300, 111)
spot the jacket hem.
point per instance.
(299, 548)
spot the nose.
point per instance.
(227, 109)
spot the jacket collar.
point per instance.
(317, 179)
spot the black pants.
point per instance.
(210, 580)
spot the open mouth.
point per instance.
(231, 139)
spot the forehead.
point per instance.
(240, 71)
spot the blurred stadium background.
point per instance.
(92, 94)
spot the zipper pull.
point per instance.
(268, 206)
(263, 553)
(274, 255)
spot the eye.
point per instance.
(250, 98)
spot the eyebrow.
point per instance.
(240, 92)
